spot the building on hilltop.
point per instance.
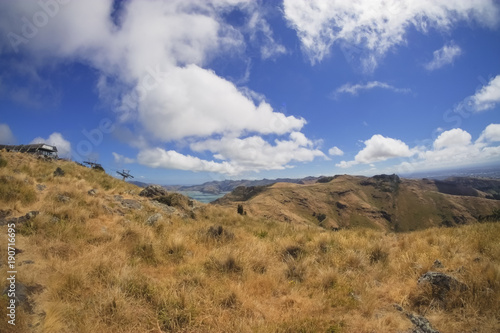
(36, 148)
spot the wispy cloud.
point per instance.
(444, 56)
(354, 89)
(376, 26)
(486, 98)
(120, 159)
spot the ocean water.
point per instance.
(203, 197)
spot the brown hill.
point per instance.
(96, 254)
(382, 202)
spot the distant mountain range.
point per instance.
(383, 202)
(217, 187)
(224, 186)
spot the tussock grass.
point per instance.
(3, 162)
(104, 269)
(14, 189)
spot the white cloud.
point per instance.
(152, 64)
(56, 139)
(236, 155)
(452, 138)
(354, 89)
(194, 102)
(444, 56)
(486, 98)
(6, 136)
(261, 34)
(120, 159)
(376, 26)
(335, 151)
(254, 153)
(379, 148)
(160, 158)
(490, 134)
(452, 148)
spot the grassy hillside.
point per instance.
(380, 202)
(112, 261)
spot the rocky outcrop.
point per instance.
(128, 203)
(19, 220)
(241, 193)
(158, 194)
(153, 191)
(441, 284)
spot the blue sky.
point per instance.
(182, 92)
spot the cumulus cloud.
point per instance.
(152, 58)
(376, 26)
(451, 148)
(354, 89)
(444, 56)
(490, 134)
(56, 139)
(335, 151)
(455, 148)
(379, 148)
(452, 138)
(196, 102)
(254, 153)
(487, 98)
(6, 136)
(161, 158)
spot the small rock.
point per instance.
(41, 187)
(131, 204)
(59, 172)
(153, 219)
(437, 264)
(92, 192)
(422, 325)
(55, 219)
(63, 198)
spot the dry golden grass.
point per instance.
(106, 271)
